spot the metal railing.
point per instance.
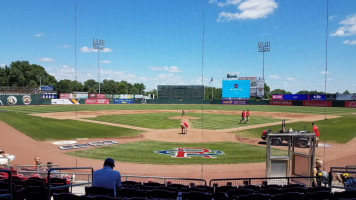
(337, 171)
(163, 180)
(302, 180)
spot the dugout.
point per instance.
(181, 92)
(293, 162)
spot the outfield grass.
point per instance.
(40, 128)
(339, 130)
(265, 108)
(162, 121)
(144, 152)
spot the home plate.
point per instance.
(64, 142)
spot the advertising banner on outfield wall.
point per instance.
(277, 96)
(78, 96)
(281, 102)
(123, 101)
(346, 97)
(317, 103)
(64, 96)
(313, 97)
(100, 96)
(97, 101)
(64, 101)
(296, 97)
(234, 102)
(11, 100)
(350, 104)
(108, 96)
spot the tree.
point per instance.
(154, 92)
(139, 88)
(346, 92)
(90, 86)
(110, 87)
(64, 86)
(279, 91)
(267, 91)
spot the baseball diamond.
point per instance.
(237, 149)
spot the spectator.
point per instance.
(319, 175)
(348, 181)
(37, 162)
(107, 177)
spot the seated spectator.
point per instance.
(5, 158)
(107, 177)
(348, 181)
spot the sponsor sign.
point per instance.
(186, 152)
(234, 102)
(296, 97)
(317, 103)
(64, 101)
(78, 96)
(64, 96)
(346, 97)
(123, 101)
(100, 96)
(126, 96)
(87, 145)
(277, 96)
(11, 100)
(46, 88)
(232, 76)
(281, 102)
(96, 101)
(317, 97)
(138, 96)
(92, 96)
(26, 100)
(350, 104)
(108, 96)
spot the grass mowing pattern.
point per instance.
(40, 128)
(144, 152)
(225, 121)
(265, 108)
(339, 130)
(146, 120)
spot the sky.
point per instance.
(186, 42)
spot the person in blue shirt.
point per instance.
(348, 181)
(107, 177)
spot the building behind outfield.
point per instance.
(183, 92)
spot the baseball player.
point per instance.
(243, 115)
(316, 131)
(184, 126)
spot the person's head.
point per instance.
(2, 151)
(109, 162)
(49, 164)
(344, 176)
(319, 163)
(313, 123)
(243, 109)
(37, 159)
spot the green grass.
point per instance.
(162, 121)
(265, 108)
(40, 128)
(144, 152)
(225, 121)
(339, 130)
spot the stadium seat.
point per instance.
(35, 189)
(130, 192)
(290, 196)
(153, 184)
(196, 195)
(344, 195)
(68, 196)
(320, 188)
(254, 196)
(239, 191)
(100, 197)
(319, 195)
(253, 187)
(159, 193)
(98, 191)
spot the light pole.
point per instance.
(263, 47)
(99, 45)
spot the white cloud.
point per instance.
(64, 46)
(350, 42)
(169, 69)
(86, 49)
(291, 79)
(39, 35)
(324, 72)
(273, 76)
(2, 65)
(45, 60)
(248, 9)
(348, 27)
(105, 61)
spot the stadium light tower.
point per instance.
(264, 47)
(99, 45)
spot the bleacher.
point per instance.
(54, 185)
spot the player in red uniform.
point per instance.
(243, 115)
(184, 126)
(316, 131)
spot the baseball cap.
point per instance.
(1, 151)
(346, 175)
(110, 162)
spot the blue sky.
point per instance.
(160, 42)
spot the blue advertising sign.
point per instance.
(46, 88)
(123, 101)
(236, 89)
(299, 97)
(320, 97)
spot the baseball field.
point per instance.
(148, 136)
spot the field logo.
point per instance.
(186, 152)
(11, 100)
(26, 100)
